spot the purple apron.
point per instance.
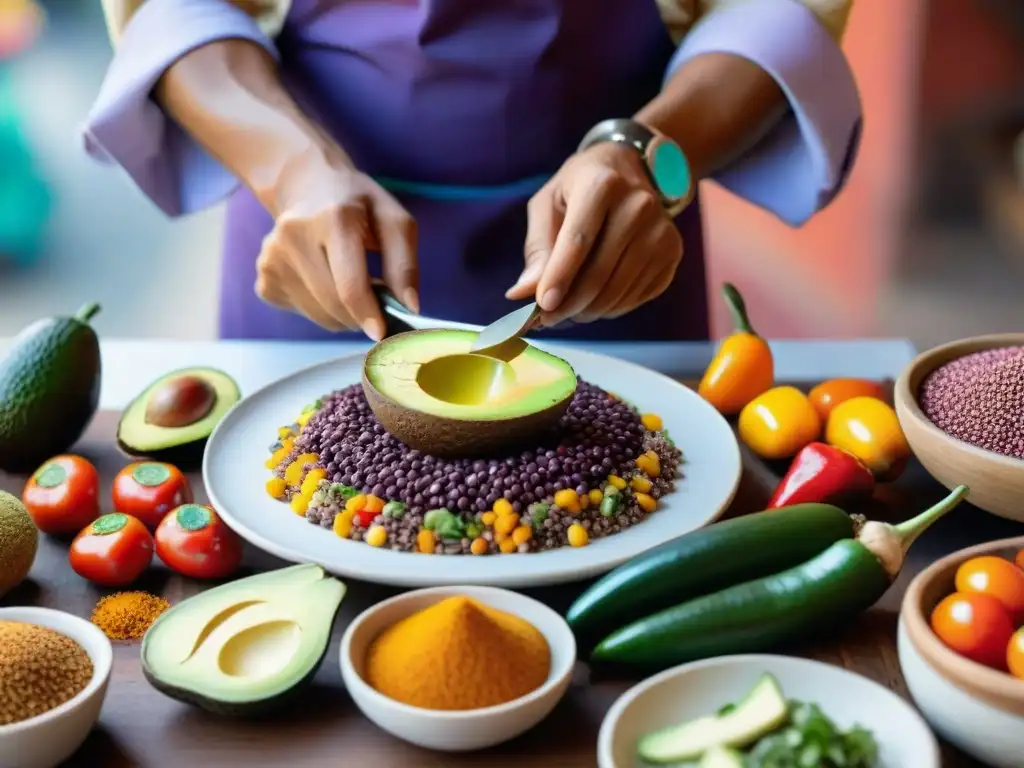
(462, 108)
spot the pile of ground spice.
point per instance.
(979, 399)
(40, 669)
(458, 654)
(127, 615)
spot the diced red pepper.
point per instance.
(365, 517)
(824, 474)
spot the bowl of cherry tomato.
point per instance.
(961, 649)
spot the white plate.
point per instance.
(235, 478)
(693, 690)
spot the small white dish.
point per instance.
(702, 687)
(49, 739)
(457, 731)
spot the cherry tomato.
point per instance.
(870, 430)
(149, 490)
(63, 495)
(1015, 654)
(831, 393)
(194, 541)
(975, 626)
(112, 551)
(996, 577)
(778, 423)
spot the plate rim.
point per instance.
(524, 578)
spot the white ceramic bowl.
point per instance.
(980, 710)
(50, 738)
(700, 688)
(459, 731)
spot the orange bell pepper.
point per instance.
(831, 393)
(870, 430)
(742, 368)
(779, 423)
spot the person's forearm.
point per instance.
(229, 97)
(716, 107)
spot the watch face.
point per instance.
(671, 170)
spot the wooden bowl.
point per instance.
(996, 481)
(979, 709)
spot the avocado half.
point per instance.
(245, 647)
(535, 393)
(173, 417)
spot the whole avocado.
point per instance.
(19, 539)
(49, 389)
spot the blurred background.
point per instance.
(927, 240)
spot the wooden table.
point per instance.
(140, 727)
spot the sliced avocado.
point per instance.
(172, 419)
(760, 712)
(432, 394)
(49, 389)
(245, 647)
(722, 757)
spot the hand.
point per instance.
(314, 260)
(598, 243)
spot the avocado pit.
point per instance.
(180, 401)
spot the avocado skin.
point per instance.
(249, 709)
(187, 455)
(49, 389)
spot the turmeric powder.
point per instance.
(458, 654)
(127, 615)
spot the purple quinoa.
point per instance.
(599, 471)
(979, 399)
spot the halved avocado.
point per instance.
(245, 647)
(172, 419)
(476, 407)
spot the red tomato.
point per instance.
(63, 495)
(194, 541)
(112, 551)
(1015, 654)
(975, 626)
(149, 490)
(831, 393)
(996, 577)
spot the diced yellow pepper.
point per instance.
(506, 524)
(373, 504)
(617, 481)
(276, 487)
(652, 422)
(596, 497)
(578, 536)
(502, 507)
(479, 546)
(508, 546)
(377, 536)
(356, 503)
(425, 541)
(566, 498)
(522, 534)
(293, 475)
(343, 523)
(647, 503)
(640, 483)
(298, 504)
(304, 418)
(283, 432)
(312, 481)
(488, 518)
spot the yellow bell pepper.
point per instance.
(870, 430)
(779, 423)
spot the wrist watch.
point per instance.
(663, 159)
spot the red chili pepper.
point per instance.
(823, 474)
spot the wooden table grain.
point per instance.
(140, 727)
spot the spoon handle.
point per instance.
(400, 319)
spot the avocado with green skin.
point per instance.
(49, 389)
(174, 416)
(429, 391)
(246, 647)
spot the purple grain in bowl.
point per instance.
(581, 482)
(979, 399)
